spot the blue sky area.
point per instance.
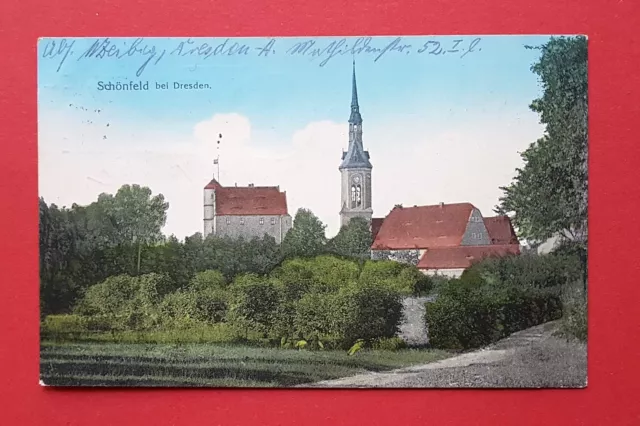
(451, 86)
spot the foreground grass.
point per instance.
(141, 364)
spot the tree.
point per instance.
(353, 239)
(133, 215)
(548, 196)
(306, 238)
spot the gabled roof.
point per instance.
(248, 200)
(376, 224)
(441, 225)
(462, 257)
(500, 230)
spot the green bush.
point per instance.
(179, 310)
(574, 312)
(212, 305)
(254, 303)
(367, 311)
(60, 326)
(210, 279)
(109, 297)
(321, 273)
(465, 317)
(314, 318)
(125, 302)
(404, 278)
(546, 271)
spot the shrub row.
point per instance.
(471, 318)
(497, 297)
(323, 300)
(293, 311)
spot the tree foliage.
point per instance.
(353, 240)
(548, 195)
(307, 236)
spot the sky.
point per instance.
(444, 118)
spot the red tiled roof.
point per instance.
(500, 230)
(376, 223)
(462, 257)
(441, 225)
(252, 200)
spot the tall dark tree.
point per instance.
(353, 240)
(131, 216)
(548, 196)
(307, 236)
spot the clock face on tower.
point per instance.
(356, 179)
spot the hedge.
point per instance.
(464, 317)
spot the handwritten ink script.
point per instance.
(152, 52)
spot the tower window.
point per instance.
(262, 221)
(353, 196)
(358, 195)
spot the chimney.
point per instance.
(441, 204)
(236, 184)
(250, 185)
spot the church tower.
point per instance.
(355, 168)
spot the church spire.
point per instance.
(355, 156)
(355, 117)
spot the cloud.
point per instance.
(415, 161)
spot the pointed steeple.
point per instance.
(355, 156)
(355, 117)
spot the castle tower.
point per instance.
(355, 168)
(210, 207)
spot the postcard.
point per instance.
(400, 212)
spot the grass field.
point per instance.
(199, 365)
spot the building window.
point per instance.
(228, 220)
(242, 221)
(273, 220)
(358, 195)
(262, 221)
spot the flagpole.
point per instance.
(218, 164)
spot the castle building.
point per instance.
(247, 212)
(355, 168)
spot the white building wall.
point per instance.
(209, 212)
(449, 273)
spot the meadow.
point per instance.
(211, 365)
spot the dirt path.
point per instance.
(531, 358)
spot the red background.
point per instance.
(614, 356)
